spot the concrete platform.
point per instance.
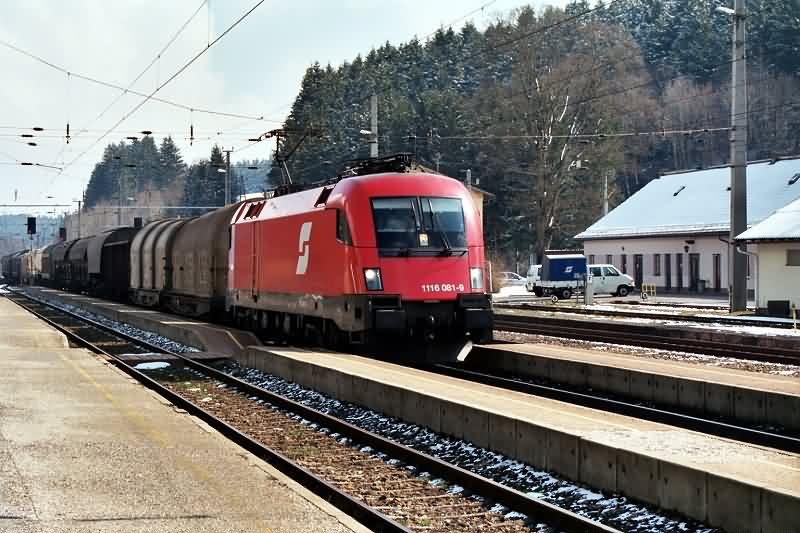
(724, 483)
(85, 448)
(751, 397)
(203, 336)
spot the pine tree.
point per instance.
(172, 166)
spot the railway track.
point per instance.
(640, 336)
(332, 462)
(655, 315)
(675, 418)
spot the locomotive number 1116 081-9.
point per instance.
(442, 287)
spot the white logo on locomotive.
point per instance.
(304, 248)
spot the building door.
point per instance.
(624, 263)
(694, 271)
(679, 271)
(717, 272)
(668, 272)
(638, 271)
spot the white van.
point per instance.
(607, 279)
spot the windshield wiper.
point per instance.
(448, 250)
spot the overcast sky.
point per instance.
(255, 70)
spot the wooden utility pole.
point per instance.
(737, 262)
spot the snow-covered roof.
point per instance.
(784, 224)
(698, 202)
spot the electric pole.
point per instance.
(737, 262)
(79, 217)
(605, 194)
(373, 111)
(119, 201)
(228, 176)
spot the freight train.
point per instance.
(368, 258)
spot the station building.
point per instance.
(674, 232)
(777, 241)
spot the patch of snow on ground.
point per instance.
(715, 326)
(611, 509)
(514, 290)
(151, 365)
(747, 330)
(655, 353)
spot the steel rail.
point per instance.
(630, 334)
(364, 514)
(652, 414)
(514, 499)
(633, 313)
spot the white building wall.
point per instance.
(704, 245)
(776, 280)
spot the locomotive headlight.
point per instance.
(476, 277)
(372, 276)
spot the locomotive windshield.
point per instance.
(419, 225)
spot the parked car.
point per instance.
(511, 279)
(607, 279)
(534, 273)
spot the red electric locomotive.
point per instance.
(369, 257)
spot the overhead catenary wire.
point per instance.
(144, 71)
(536, 31)
(426, 36)
(544, 29)
(450, 24)
(169, 80)
(653, 133)
(118, 87)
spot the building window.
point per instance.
(793, 258)
(656, 264)
(624, 260)
(591, 259)
(609, 259)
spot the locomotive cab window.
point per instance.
(342, 228)
(419, 225)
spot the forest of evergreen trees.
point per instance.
(542, 106)
(129, 169)
(534, 104)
